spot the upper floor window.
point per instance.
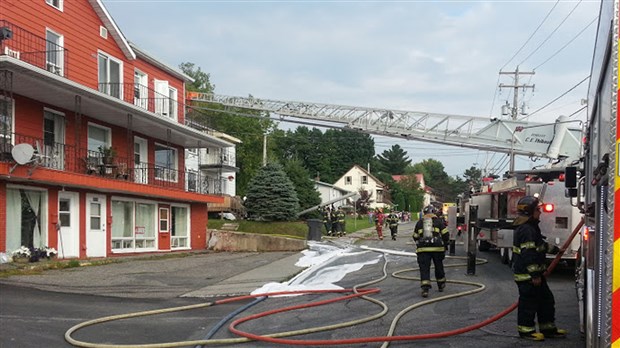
(110, 75)
(6, 124)
(140, 89)
(166, 160)
(172, 107)
(364, 179)
(54, 52)
(55, 3)
(348, 180)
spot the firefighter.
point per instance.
(334, 221)
(392, 221)
(327, 220)
(535, 297)
(431, 236)
(340, 215)
(379, 220)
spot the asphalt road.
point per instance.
(34, 313)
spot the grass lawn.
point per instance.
(294, 229)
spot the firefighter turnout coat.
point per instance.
(529, 250)
(437, 241)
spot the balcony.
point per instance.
(36, 68)
(72, 159)
(33, 49)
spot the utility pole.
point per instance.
(515, 102)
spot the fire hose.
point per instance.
(276, 337)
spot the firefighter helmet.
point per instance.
(527, 205)
(429, 209)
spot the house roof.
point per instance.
(113, 29)
(379, 182)
(321, 183)
(418, 177)
(129, 49)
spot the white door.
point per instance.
(140, 160)
(162, 103)
(95, 225)
(68, 225)
(53, 140)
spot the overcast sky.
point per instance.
(433, 56)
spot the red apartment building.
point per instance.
(100, 130)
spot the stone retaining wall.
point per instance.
(218, 240)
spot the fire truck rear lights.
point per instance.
(548, 207)
(562, 177)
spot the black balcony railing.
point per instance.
(38, 51)
(69, 158)
(33, 49)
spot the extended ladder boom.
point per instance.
(559, 140)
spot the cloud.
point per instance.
(441, 57)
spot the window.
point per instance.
(140, 89)
(179, 228)
(53, 140)
(95, 216)
(6, 125)
(162, 98)
(172, 104)
(103, 32)
(110, 76)
(165, 163)
(192, 181)
(55, 3)
(54, 52)
(26, 218)
(64, 212)
(134, 224)
(364, 180)
(348, 180)
(163, 220)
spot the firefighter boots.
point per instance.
(424, 292)
(441, 286)
(532, 336)
(555, 333)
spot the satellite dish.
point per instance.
(22, 153)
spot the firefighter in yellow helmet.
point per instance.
(535, 297)
(431, 237)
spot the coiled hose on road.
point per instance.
(276, 337)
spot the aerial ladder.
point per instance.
(560, 142)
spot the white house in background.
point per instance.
(330, 192)
(358, 178)
(428, 192)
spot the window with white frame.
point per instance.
(179, 227)
(55, 3)
(140, 89)
(54, 52)
(26, 218)
(98, 138)
(134, 226)
(165, 163)
(364, 179)
(164, 220)
(110, 75)
(172, 104)
(348, 180)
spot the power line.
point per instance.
(528, 39)
(568, 43)
(551, 34)
(554, 100)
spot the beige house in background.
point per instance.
(358, 178)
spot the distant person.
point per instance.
(431, 236)
(340, 215)
(392, 221)
(334, 221)
(325, 214)
(379, 221)
(529, 265)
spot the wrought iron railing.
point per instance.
(33, 49)
(69, 158)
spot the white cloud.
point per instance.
(434, 56)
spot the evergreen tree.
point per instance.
(304, 187)
(394, 161)
(271, 195)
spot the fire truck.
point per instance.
(595, 188)
(496, 204)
